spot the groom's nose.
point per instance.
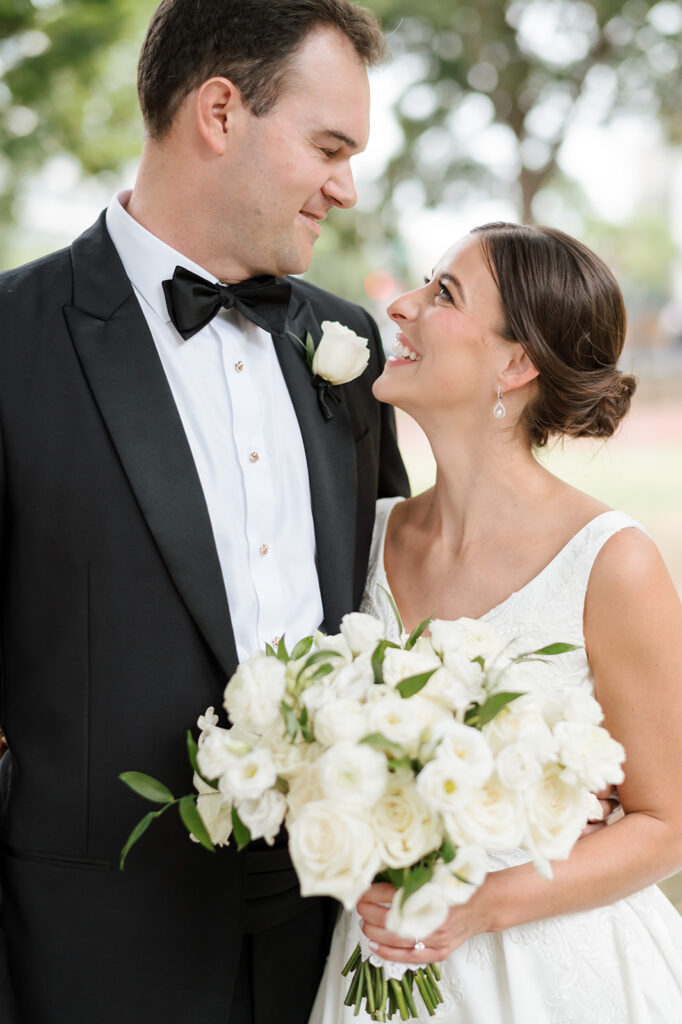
(340, 187)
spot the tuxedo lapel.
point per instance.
(330, 454)
(120, 361)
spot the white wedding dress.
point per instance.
(620, 964)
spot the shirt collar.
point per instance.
(147, 260)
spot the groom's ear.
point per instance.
(519, 370)
(217, 102)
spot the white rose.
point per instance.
(458, 684)
(491, 816)
(341, 355)
(405, 828)
(264, 816)
(289, 758)
(466, 745)
(247, 777)
(521, 722)
(590, 755)
(556, 814)
(517, 766)
(341, 720)
(460, 879)
(317, 695)
(400, 664)
(334, 851)
(217, 750)
(215, 810)
(444, 784)
(253, 695)
(421, 913)
(304, 788)
(356, 680)
(470, 638)
(353, 773)
(361, 632)
(580, 706)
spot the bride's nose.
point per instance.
(405, 307)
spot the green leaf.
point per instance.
(270, 651)
(378, 658)
(396, 876)
(282, 651)
(481, 714)
(322, 671)
(448, 850)
(413, 684)
(281, 785)
(306, 728)
(302, 648)
(138, 831)
(418, 876)
(240, 832)
(193, 821)
(417, 632)
(394, 608)
(192, 751)
(290, 719)
(148, 787)
(315, 658)
(552, 649)
(384, 745)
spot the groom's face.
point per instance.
(293, 164)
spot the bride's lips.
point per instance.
(404, 353)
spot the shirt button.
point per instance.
(239, 366)
(254, 457)
(264, 549)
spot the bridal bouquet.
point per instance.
(402, 762)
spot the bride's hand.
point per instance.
(461, 924)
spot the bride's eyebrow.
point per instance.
(456, 283)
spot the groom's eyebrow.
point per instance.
(346, 140)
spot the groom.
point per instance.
(171, 497)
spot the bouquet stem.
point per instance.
(385, 997)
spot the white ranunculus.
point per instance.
(517, 766)
(334, 851)
(217, 751)
(470, 638)
(403, 721)
(253, 695)
(557, 813)
(466, 745)
(421, 913)
(444, 784)
(361, 632)
(248, 777)
(522, 722)
(491, 816)
(406, 830)
(341, 355)
(264, 816)
(400, 664)
(590, 755)
(353, 773)
(340, 720)
(215, 810)
(460, 879)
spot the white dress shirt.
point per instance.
(246, 443)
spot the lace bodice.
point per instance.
(546, 610)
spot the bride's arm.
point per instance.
(633, 631)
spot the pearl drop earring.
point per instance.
(499, 411)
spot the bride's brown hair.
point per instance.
(564, 306)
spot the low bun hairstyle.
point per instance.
(564, 306)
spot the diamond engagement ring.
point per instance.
(419, 946)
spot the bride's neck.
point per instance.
(482, 483)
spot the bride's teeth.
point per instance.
(404, 352)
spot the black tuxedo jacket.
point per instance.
(115, 633)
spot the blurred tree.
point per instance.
(67, 85)
(491, 88)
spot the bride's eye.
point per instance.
(443, 293)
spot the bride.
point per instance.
(513, 340)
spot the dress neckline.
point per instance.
(496, 608)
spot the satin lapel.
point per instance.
(120, 361)
(330, 453)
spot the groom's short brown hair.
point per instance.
(251, 42)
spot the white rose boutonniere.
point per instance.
(340, 357)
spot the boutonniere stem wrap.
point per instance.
(340, 357)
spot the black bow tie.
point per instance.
(193, 301)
